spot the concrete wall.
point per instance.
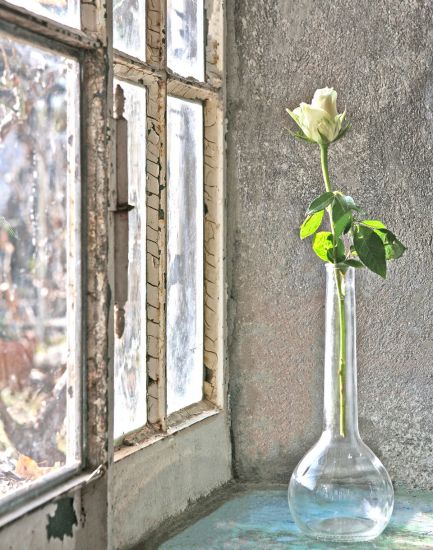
(160, 481)
(379, 57)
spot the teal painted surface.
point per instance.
(261, 520)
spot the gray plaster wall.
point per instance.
(379, 57)
(159, 482)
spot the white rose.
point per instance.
(320, 121)
(326, 99)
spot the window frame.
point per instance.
(160, 82)
(88, 46)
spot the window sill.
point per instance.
(258, 513)
(176, 422)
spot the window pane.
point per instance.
(130, 409)
(129, 21)
(64, 11)
(185, 253)
(185, 39)
(39, 263)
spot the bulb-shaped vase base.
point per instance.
(340, 491)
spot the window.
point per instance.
(184, 253)
(111, 233)
(129, 27)
(53, 261)
(130, 386)
(182, 336)
(185, 38)
(40, 263)
(64, 11)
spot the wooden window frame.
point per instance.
(160, 82)
(90, 47)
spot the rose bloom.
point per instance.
(320, 121)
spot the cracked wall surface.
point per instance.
(379, 57)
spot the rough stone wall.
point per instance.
(379, 57)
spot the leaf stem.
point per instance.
(341, 309)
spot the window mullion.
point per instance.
(156, 253)
(214, 303)
(156, 216)
(98, 181)
(215, 385)
(156, 49)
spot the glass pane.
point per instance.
(130, 409)
(185, 39)
(64, 11)
(129, 22)
(39, 263)
(185, 253)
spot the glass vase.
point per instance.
(340, 490)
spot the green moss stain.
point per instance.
(60, 525)
(260, 520)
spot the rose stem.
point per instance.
(341, 308)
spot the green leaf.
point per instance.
(338, 206)
(345, 202)
(341, 215)
(350, 203)
(311, 224)
(374, 223)
(341, 252)
(320, 203)
(398, 249)
(343, 223)
(354, 263)
(322, 244)
(394, 249)
(370, 249)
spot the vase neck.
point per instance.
(340, 398)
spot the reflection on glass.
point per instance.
(64, 11)
(129, 27)
(39, 263)
(185, 38)
(130, 410)
(185, 253)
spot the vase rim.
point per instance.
(332, 267)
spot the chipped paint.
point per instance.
(60, 525)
